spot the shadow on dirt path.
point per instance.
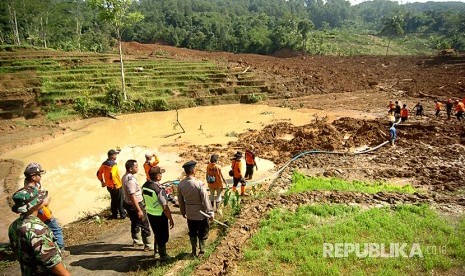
(111, 252)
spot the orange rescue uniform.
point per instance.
(460, 107)
(108, 173)
(236, 166)
(214, 169)
(148, 165)
(404, 113)
(438, 106)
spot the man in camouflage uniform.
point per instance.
(31, 240)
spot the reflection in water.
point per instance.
(73, 159)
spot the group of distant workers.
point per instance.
(37, 239)
(402, 114)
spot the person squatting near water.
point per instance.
(193, 198)
(250, 163)
(158, 212)
(33, 174)
(31, 240)
(215, 180)
(109, 177)
(236, 168)
(135, 207)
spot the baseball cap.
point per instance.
(28, 198)
(33, 169)
(112, 152)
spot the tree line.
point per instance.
(245, 26)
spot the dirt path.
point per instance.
(111, 252)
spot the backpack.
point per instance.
(211, 179)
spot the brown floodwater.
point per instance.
(71, 160)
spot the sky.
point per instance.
(354, 2)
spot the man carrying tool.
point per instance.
(134, 205)
(236, 167)
(31, 240)
(215, 180)
(193, 198)
(109, 177)
(158, 212)
(33, 174)
(151, 160)
(250, 163)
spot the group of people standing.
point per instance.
(402, 113)
(37, 239)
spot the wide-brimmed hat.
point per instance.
(27, 199)
(238, 155)
(33, 169)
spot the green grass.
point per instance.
(302, 183)
(61, 114)
(291, 243)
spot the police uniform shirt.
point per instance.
(193, 198)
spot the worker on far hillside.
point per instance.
(392, 134)
(438, 107)
(404, 113)
(391, 107)
(449, 106)
(459, 108)
(397, 112)
(151, 160)
(419, 109)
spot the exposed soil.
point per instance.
(429, 153)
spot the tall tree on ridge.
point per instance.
(116, 12)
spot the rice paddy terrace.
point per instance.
(33, 79)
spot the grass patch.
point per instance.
(291, 243)
(59, 114)
(302, 183)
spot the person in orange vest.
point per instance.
(109, 177)
(249, 163)
(391, 107)
(33, 174)
(459, 108)
(151, 160)
(438, 107)
(404, 113)
(236, 167)
(215, 180)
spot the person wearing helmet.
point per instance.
(33, 174)
(32, 242)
